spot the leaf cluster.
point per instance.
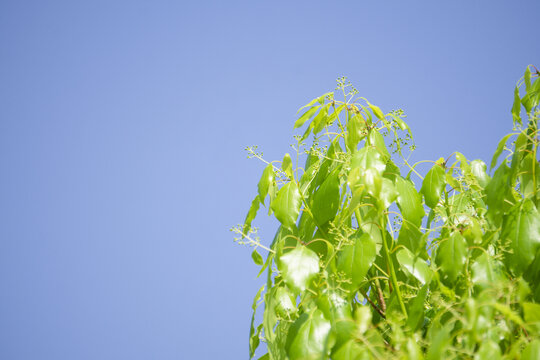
(365, 266)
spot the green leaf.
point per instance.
(409, 201)
(531, 312)
(320, 121)
(499, 150)
(298, 267)
(309, 337)
(451, 256)
(377, 141)
(356, 131)
(254, 333)
(527, 79)
(286, 205)
(498, 193)
(257, 258)
(388, 193)
(368, 158)
(356, 258)
(326, 199)
(306, 116)
(416, 309)
(521, 229)
(319, 99)
(414, 265)
(337, 309)
(432, 185)
(532, 351)
(516, 107)
(251, 215)
(489, 350)
(285, 303)
(412, 238)
(329, 120)
(267, 179)
(351, 350)
(376, 110)
(287, 166)
(478, 168)
(485, 271)
(529, 175)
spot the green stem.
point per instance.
(392, 270)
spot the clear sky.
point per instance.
(122, 129)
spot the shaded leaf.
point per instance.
(531, 351)
(489, 350)
(416, 309)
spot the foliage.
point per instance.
(364, 266)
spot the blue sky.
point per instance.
(122, 133)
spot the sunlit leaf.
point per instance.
(485, 271)
(414, 265)
(251, 215)
(356, 131)
(432, 185)
(287, 166)
(309, 337)
(409, 201)
(376, 110)
(521, 230)
(286, 205)
(356, 258)
(516, 107)
(498, 151)
(451, 256)
(478, 168)
(306, 116)
(377, 141)
(326, 199)
(351, 350)
(257, 258)
(267, 179)
(320, 121)
(298, 267)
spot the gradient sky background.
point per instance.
(122, 133)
